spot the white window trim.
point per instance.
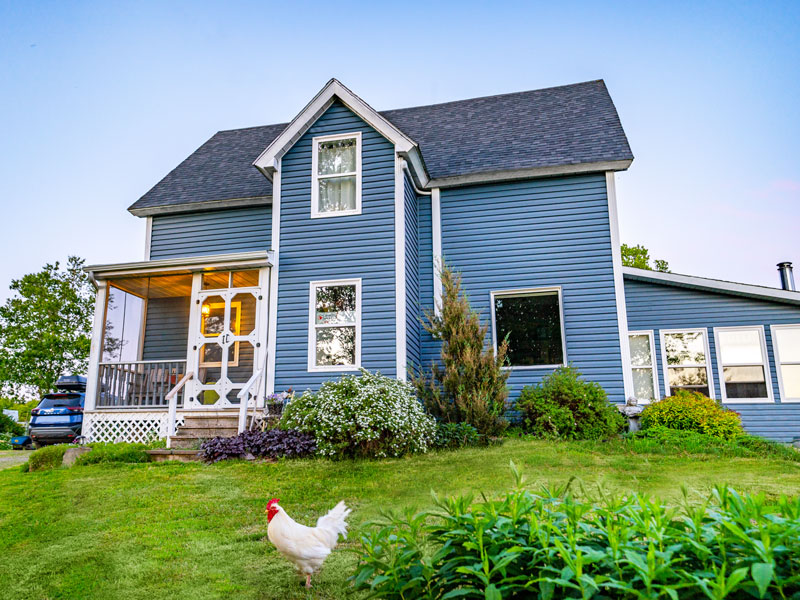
(666, 366)
(521, 292)
(653, 364)
(765, 363)
(312, 326)
(778, 363)
(315, 177)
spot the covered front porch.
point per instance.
(173, 338)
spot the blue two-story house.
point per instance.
(277, 257)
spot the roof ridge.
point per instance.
(448, 102)
(507, 94)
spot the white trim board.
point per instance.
(713, 285)
(619, 286)
(272, 325)
(764, 363)
(522, 292)
(778, 362)
(436, 235)
(267, 161)
(665, 366)
(241, 260)
(401, 358)
(312, 326)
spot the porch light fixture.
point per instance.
(205, 310)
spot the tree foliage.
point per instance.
(468, 384)
(45, 328)
(639, 257)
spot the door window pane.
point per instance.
(244, 279)
(532, 325)
(216, 280)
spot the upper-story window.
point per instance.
(533, 322)
(336, 175)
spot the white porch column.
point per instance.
(96, 351)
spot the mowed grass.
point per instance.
(198, 531)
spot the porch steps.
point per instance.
(199, 427)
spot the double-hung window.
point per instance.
(742, 364)
(334, 331)
(643, 367)
(336, 175)
(786, 344)
(532, 321)
(685, 359)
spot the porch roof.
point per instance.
(189, 264)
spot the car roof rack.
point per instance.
(71, 383)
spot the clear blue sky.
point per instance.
(99, 100)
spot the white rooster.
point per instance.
(306, 547)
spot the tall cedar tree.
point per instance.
(45, 327)
(468, 385)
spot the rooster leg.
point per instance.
(308, 582)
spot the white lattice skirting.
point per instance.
(129, 426)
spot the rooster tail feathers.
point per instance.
(335, 519)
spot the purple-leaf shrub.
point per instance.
(273, 443)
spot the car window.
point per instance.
(61, 400)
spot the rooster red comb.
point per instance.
(271, 504)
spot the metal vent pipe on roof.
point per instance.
(787, 277)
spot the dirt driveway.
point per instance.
(11, 458)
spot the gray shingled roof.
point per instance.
(566, 125)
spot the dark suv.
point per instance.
(59, 417)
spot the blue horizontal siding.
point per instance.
(355, 246)
(539, 233)
(412, 274)
(658, 306)
(211, 232)
(166, 329)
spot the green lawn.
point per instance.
(196, 531)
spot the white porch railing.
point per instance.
(172, 399)
(245, 394)
(137, 384)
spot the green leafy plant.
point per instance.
(456, 435)
(8, 425)
(552, 545)
(49, 457)
(638, 256)
(362, 416)
(663, 440)
(114, 453)
(565, 406)
(468, 383)
(45, 327)
(692, 411)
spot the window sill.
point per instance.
(334, 369)
(748, 401)
(338, 213)
(531, 367)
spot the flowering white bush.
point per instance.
(362, 416)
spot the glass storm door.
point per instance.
(226, 349)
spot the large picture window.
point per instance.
(742, 364)
(686, 364)
(643, 367)
(533, 323)
(336, 175)
(786, 343)
(334, 340)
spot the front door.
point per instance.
(228, 338)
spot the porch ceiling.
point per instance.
(174, 266)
